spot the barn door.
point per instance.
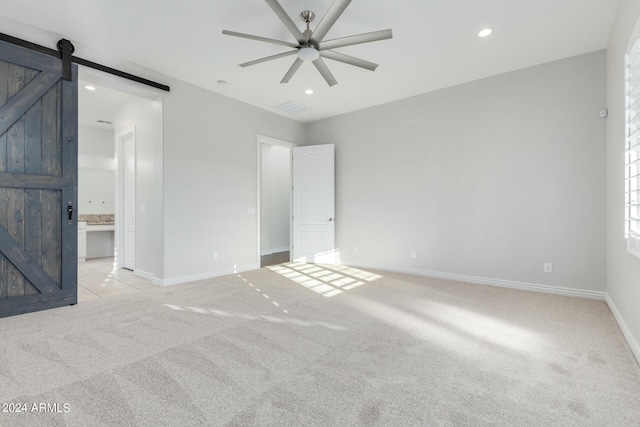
(38, 182)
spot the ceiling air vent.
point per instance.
(104, 122)
(290, 107)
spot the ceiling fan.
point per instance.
(310, 45)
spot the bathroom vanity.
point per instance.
(95, 236)
(96, 200)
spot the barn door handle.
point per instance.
(70, 210)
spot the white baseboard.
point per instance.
(102, 254)
(493, 282)
(631, 340)
(203, 276)
(145, 275)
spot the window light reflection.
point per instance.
(327, 280)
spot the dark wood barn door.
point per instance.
(38, 182)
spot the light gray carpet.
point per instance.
(314, 346)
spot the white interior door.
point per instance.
(129, 201)
(314, 204)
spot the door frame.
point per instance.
(118, 220)
(262, 139)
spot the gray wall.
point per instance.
(96, 163)
(275, 199)
(485, 181)
(95, 148)
(623, 269)
(146, 116)
(280, 198)
(210, 180)
(96, 191)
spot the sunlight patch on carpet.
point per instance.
(327, 280)
(452, 328)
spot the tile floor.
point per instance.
(98, 278)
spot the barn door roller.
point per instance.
(66, 49)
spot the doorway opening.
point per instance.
(119, 125)
(274, 201)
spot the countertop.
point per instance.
(97, 219)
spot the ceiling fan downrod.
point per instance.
(307, 16)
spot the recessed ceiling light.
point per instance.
(89, 87)
(486, 32)
(309, 91)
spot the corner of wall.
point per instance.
(626, 331)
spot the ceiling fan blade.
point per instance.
(324, 70)
(294, 67)
(347, 59)
(269, 58)
(329, 19)
(357, 39)
(287, 21)
(258, 38)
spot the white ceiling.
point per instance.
(434, 45)
(100, 104)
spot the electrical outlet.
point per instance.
(355, 249)
(548, 267)
(215, 256)
(413, 254)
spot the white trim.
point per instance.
(275, 250)
(633, 344)
(557, 290)
(204, 276)
(631, 154)
(145, 275)
(274, 141)
(632, 246)
(262, 139)
(634, 35)
(119, 225)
